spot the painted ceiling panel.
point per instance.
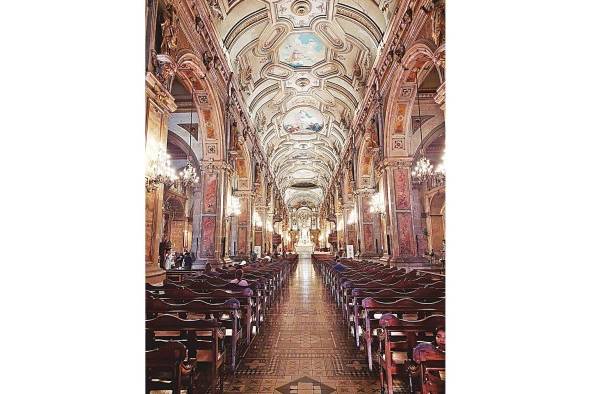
(302, 66)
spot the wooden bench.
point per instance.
(167, 368)
(374, 310)
(231, 323)
(179, 295)
(203, 339)
(386, 295)
(393, 327)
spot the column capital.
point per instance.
(244, 193)
(364, 191)
(209, 166)
(398, 162)
(156, 91)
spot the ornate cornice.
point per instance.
(157, 92)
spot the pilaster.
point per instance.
(159, 105)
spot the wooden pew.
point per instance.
(387, 295)
(179, 295)
(155, 306)
(394, 327)
(167, 368)
(399, 307)
(202, 338)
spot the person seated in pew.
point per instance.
(209, 270)
(238, 280)
(338, 266)
(431, 350)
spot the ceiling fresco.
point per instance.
(302, 67)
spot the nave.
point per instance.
(307, 324)
(306, 348)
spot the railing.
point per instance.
(435, 181)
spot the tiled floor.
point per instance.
(304, 347)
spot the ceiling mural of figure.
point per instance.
(302, 50)
(303, 120)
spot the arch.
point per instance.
(365, 163)
(209, 106)
(401, 95)
(244, 168)
(437, 221)
(179, 141)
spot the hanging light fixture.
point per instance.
(188, 175)
(423, 168)
(440, 171)
(160, 171)
(377, 204)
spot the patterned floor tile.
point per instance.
(304, 347)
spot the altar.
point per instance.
(304, 250)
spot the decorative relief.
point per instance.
(327, 31)
(210, 193)
(368, 238)
(300, 12)
(351, 13)
(399, 120)
(398, 143)
(271, 37)
(245, 24)
(208, 236)
(404, 221)
(401, 189)
(211, 149)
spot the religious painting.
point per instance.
(404, 233)
(399, 120)
(303, 120)
(210, 133)
(366, 164)
(302, 50)
(210, 193)
(401, 188)
(241, 168)
(208, 236)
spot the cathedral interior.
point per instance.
(305, 135)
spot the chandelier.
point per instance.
(188, 175)
(159, 171)
(234, 206)
(377, 204)
(352, 219)
(423, 168)
(439, 173)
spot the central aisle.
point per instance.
(304, 347)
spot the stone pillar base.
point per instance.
(154, 274)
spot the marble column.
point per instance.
(401, 211)
(159, 105)
(211, 220)
(367, 225)
(243, 223)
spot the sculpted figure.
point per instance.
(169, 34)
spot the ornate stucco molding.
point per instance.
(158, 93)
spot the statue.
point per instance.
(169, 34)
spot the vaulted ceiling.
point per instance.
(302, 67)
